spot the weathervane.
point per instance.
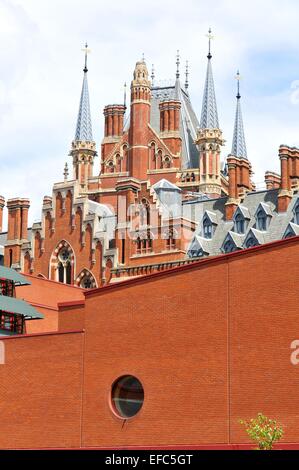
(210, 37)
(178, 64)
(238, 78)
(125, 94)
(187, 76)
(153, 74)
(86, 51)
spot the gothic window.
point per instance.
(261, 220)
(61, 262)
(240, 224)
(167, 162)
(251, 242)
(111, 167)
(86, 280)
(207, 228)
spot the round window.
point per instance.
(127, 396)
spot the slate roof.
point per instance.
(188, 120)
(278, 223)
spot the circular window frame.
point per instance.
(113, 407)
(60, 257)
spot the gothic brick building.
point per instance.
(163, 195)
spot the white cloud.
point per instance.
(41, 73)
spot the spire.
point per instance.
(239, 145)
(84, 128)
(209, 113)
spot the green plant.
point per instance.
(263, 431)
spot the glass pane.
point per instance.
(127, 396)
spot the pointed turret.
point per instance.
(83, 147)
(239, 145)
(209, 137)
(239, 168)
(209, 113)
(84, 127)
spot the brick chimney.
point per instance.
(272, 180)
(17, 230)
(170, 125)
(288, 162)
(233, 196)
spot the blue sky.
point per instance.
(41, 74)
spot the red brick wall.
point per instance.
(263, 323)
(164, 333)
(40, 387)
(210, 342)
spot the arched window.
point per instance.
(86, 280)
(251, 242)
(240, 224)
(167, 162)
(111, 167)
(62, 263)
(207, 228)
(261, 220)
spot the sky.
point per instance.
(41, 75)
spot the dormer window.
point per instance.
(208, 226)
(261, 220)
(263, 216)
(207, 229)
(240, 224)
